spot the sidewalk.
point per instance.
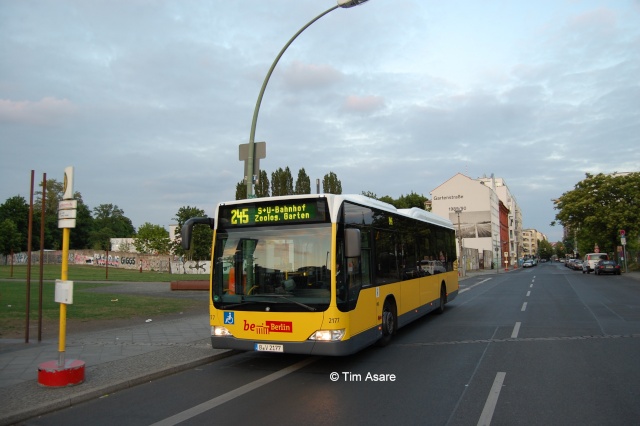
(114, 359)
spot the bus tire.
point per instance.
(443, 299)
(389, 322)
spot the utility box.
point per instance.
(64, 292)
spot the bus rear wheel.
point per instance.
(443, 299)
(389, 323)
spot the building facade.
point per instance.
(514, 219)
(486, 217)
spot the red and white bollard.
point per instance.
(52, 375)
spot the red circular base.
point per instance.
(50, 374)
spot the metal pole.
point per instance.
(44, 199)
(29, 234)
(252, 135)
(461, 260)
(64, 276)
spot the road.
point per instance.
(538, 346)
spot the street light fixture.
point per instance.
(461, 270)
(345, 4)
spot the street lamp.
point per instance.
(458, 210)
(345, 4)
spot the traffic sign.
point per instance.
(622, 232)
(68, 204)
(260, 150)
(66, 223)
(67, 214)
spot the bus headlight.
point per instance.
(219, 331)
(327, 335)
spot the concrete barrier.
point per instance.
(190, 285)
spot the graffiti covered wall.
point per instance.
(123, 260)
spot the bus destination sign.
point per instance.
(271, 213)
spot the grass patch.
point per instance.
(87, 305)
(94, 273)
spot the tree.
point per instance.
(545, 250)
(109, 222)
(152, 239)
(331, 184)
(10, 237)
(55, 191)
(281, 182)
(569, 246)
(101, 239)
(52, 234)
(16, 209)
(599, 207)
(303, 183)
(80, 236)
(386, 199)
(411, 200)
(261, 188)
(560, 250)
(200, 240)
(241, 191)
(112, 217)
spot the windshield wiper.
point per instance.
(246, 302)
(284, 296)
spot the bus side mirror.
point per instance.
(187, 229)
(352, 242)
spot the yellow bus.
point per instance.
(323, 274)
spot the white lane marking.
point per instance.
(516, 330)
(524, 307)
(476, 284)
(528, 293)
(531, 286)
(219, 400)
(492, 400)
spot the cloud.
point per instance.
(44, 112)
(363, 104)
(301, 76)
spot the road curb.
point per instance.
(29, 399)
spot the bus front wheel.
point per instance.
(389, 323)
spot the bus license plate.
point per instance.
(262, 347)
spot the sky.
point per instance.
(149, 100)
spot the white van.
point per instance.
(591, 260)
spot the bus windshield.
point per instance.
(282, 269)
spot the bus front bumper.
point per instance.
(308, 347)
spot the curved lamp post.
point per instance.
(250, 159)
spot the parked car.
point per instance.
(591, 260)
(607, 267)
(527, 263)
(432, 267)
(577, 265)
